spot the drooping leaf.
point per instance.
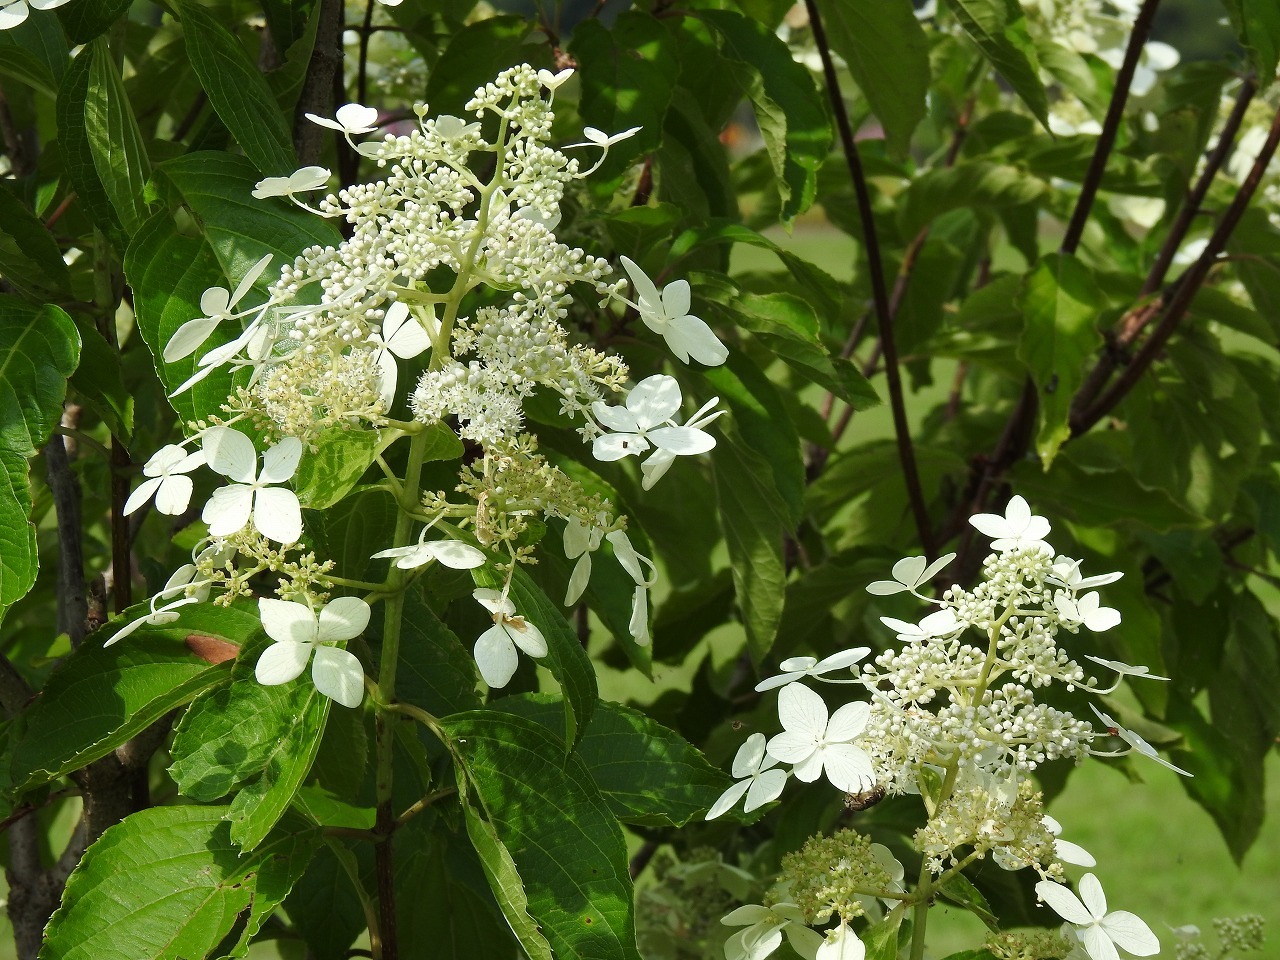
(115, 142)
(788, 108)
(237, 91)
(475, 55)
(647, 773)
(436, 673)
(1060, 305)
(77, 154)
(169, 882)
(35, 53)
(39, 349)
(102, 696)
(508, 888)
(323, 904)
(887, 53)
(565, 847)
(999, 29)
(86, 21)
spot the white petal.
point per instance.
(287, 620)
(1064, 903)
(1130, 933)
(682, 441)
(455, 554)
(496, 657)
(619, 419)
(281, 461)
(1097, 944)
(886, 588)
(676, 298)
(578, 580)
(765, 788)
(174, 495)
(282, 662)
(798, 664)
(615, 446)
(1092, 896)
(277, 515)
(940, 623)
(249, 279)
(230, 453)
(356, 118)
(848, 721)
(1018, 513)
(1037, 529)
(690, 335)
(848, 767)
(188, 338)
(745, 915)
(493, 601)
(343, 619)
(990, 524)
(338, 675)
(10, 17)
(324, 121)
(654, 467)
(908, 570)
(646, 292)
(810, 768)
(631, 561)
(801, 711)
(780, 680)
(838, 661)
(215, 302)
(638, 625)
(388, 378)
(140, 496)
(750, 756)
(654, 400)
(841, 944)
(527, 637)
(1069, 852)
(228, 510)
(728, 799)
(404, 335)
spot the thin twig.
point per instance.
(1110, 127)
(880, 295)
(64, 485)
(1188, 286)
(326, 58)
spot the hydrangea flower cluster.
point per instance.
(952, 715)
(451, 257)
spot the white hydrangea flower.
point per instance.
(180, 583)
(1086, 610)
(580, 541)
(1125, 669)
(300, 181)
(758, 778)
(598, 138)
(667, 314)
(940, 623)
(351, 119)
(1100, 932)
(402, 336)
(1019, 528)
(654, 467)
(634, 563)
(495, 650)
(553, 81)
(298, 631)
(909, 574)
(797, 668)
(814, 742)
(764, 928)
(217, 304)
(15, 12)
(1066, 574)
(644, 421)
(274, 510)
(1133, 740)
(450, 553)
(166, 479)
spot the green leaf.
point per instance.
(30, 260)
(436, 672)
(789, 326)
(1000, 31)
(564, 844)
(168, 882)
(755, 518)
(99, 381)
(324, 906)
(38, 351)
(789, 109)
(35, 53)
(475, 55)
(960, 891)
(1257, 27)
(1060, 304)
(101, 696)
(566, 659)
(77, 154)
(85, 21)
(887, 53)
(508, 889)
(260, 739)
(1100, 497)
(980, 184)
(340, 460)
(881, 941)
(626, 82)
(237, 91)
(466, 921)
(647, 773)
(115, 142)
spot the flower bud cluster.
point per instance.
(839, 876)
